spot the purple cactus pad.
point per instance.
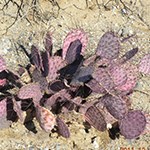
(95, 118)
(48, 43)
(102, 76)
(108, 46)
(73, 51)
(55, 64)
(72, 36)
(31, 90)
(116, 106)
(144, 65)
(62, 128)
(2, 64)
(133, 124)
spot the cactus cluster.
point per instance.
(66, 81)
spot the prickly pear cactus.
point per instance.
(129, 54)
(3, 115)
(73, 51)
(3, 110)
(133, 124)
(95, 118)
(7, 113)
(55, 64)
(132, 77)
(108, 46)
(62, 128)
(31, 90)
(118, 74)
(97, 87)
(36, 59)
(102, 76)
(45, 118)
(2, 82)
(48, 42)
(2, 64)
(144, 65)
(2, 68)
(116, 106)
(72, 36)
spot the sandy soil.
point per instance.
(26, 22)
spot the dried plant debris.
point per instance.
(65, 81)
